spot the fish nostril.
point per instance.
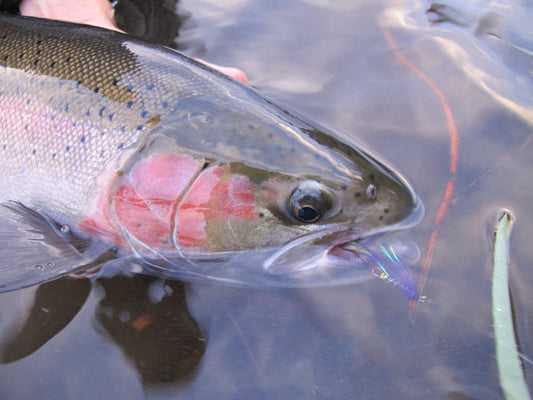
(371, 192)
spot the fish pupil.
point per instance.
(308, 214)
(309, 202)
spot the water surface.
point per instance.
(331, 61)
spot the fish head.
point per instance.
(250, 194)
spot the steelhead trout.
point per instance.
(119, 152)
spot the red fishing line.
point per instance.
(452, 132)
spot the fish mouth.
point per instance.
(307, 251)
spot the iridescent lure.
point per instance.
(386, 265)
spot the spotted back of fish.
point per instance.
(72, 100)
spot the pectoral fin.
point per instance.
(35, 249)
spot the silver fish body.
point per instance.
(109, 142)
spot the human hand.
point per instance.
(97, 13)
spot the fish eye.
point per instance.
(310, 202)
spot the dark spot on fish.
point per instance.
(386, 210)
(357, 194)
(67, 149)
(38, 52)
(111, 117)
(120, 146)
(102, 154)
(251, 127)
(82, 139)
(6, 57)
(34, 152)
(5, 146)
(96, 89)
(261, 215)
(381, 217)
(344, 186)
(5, 36)
(372, 177)
(67, 107)
(154, 120)
(21, 55)
(115, 82)
(270, 135)
(102, 134)
(206, 164)
(54, 156)
(371, 192)
(164, 104)
(36, 62)
(101, 112)
(139, 127)
(52, 64)
(144, 114)
(142, 148)
(130, 104)
(150, 87)
(68, 59)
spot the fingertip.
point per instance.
(240, 76)
(235, 73)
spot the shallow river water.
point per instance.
(379, 72)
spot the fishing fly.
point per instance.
(386, 265)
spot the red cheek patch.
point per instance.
(145, 200)
(214, 194)
(233, 198)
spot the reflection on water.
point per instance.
(492, 41)
(56, 303)
(342, 342)
(157, 334)
(147, 318)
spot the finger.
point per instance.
(235, 73)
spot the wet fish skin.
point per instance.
(184, 168)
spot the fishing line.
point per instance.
(452, 132)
